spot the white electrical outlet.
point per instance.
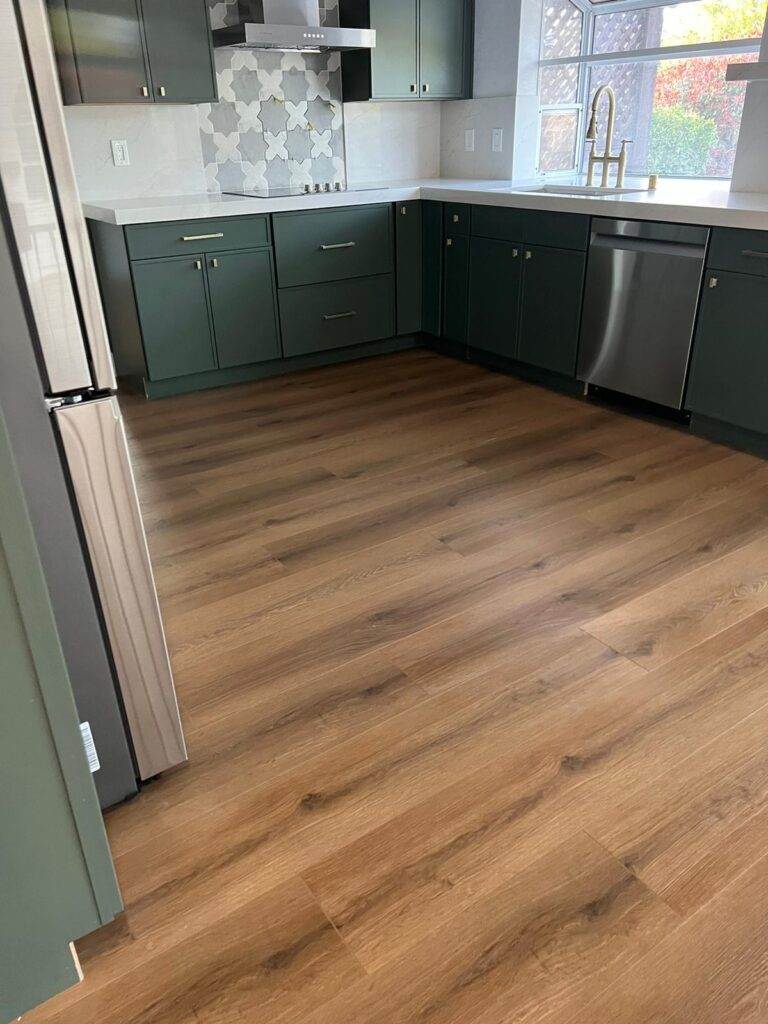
(469, 140)
(120, 155)
(497, 140)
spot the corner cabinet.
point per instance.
(729, 370)
(423, 50)
(134, 51)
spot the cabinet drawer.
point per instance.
(558, 230)
(178, 238)
(316, 246)
(743, 251)
(457, 217)
(326, 316)
(501, 222)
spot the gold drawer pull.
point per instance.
(340, 316)
(338, 245)
(201, 238)
(755, 254)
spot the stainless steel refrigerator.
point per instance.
(57, 389)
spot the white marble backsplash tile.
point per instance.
(163, 143)
(392, 141)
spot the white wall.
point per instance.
(392, 141)
(506, 95)
(163, 143)
(750, 169)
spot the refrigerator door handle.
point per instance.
(94, 441)
(34, 19)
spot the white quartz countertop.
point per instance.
(677, 201)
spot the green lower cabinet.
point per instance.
(408, 245)
(322, 317)
(432, 267)
(455, 289)
(244, 307)
(173, 313)
(495, 277)
(553, 288)
(729, 370)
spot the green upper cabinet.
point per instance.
(244, 307)
(553, 287)
(133, 51)
(442, 35)
(729, 371)
(423, 50)
(395, 61)
(179, 49)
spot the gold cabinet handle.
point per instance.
(713, 282)
(414, 87)
(425, 87)
(449, 242)
(201, 238)
(515, 253)
(198, 264)
(403, 211)
(338, 245)
(455, 218)
(755, 254)
(215, 264)
(144, 90)
(340, 316)
(528, 254)
(161, 90)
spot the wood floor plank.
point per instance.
(677, 616)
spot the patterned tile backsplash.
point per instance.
(280, 117)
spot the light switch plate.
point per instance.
(469, 140)
(120, 155)
(497, 140)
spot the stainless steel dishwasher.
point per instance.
(642, 291)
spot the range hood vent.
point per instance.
(290, 25)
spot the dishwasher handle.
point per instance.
(652, 246)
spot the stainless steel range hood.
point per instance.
(292, 25)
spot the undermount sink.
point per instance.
(583, 190)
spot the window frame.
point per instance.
(586, 59)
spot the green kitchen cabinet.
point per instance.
(133, 51)
(442, 35)
(395, 61)
(408, 245)
(729, 369)
(423, 50)
(550, 314)
(432, 267)
(244, 307)
(495, 281)
(455, 289)
(179, 51)
(174, 318)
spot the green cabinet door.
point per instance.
(244, 308)
(729, 370)
(442, 28)
(173, 313)
(455, 289)
(432, 267)
(408, 242)
(105, 41)
(179, 50)
(394, 61)
(553, 286)
(494, 296)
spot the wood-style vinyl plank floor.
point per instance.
(475, 682)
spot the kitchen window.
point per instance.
(666, 64)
